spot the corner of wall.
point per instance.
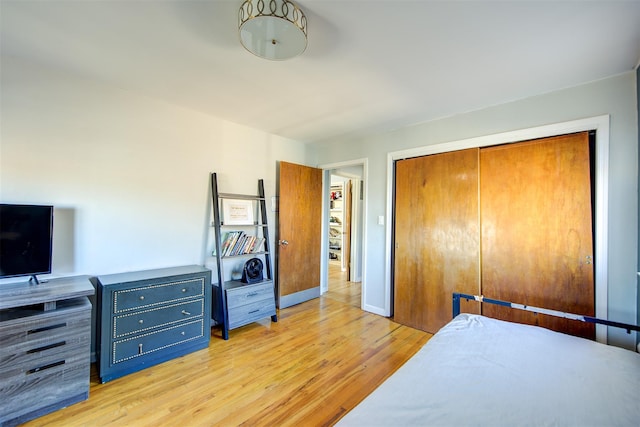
(638, 129)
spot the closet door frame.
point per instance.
(599, 123)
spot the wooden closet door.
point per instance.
(537, 246)
(437, 237)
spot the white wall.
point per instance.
(128, 175)
(615, 96)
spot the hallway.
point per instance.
(342, 290)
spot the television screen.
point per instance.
(26, 235)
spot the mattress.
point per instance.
(487, 372)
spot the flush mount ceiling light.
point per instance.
(272, 29)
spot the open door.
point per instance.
(299, 233)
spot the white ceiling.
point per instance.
(370, 66)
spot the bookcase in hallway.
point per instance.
(244, 292)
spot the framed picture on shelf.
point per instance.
(237, 212)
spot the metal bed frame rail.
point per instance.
(589, 319)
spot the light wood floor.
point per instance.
(316, 363)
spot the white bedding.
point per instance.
(481, 371)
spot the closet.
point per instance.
(340, 200)
(512, 222)
(336, 222)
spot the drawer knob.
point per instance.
(184, 289)
(139, 348)
(186, 313)
(141, 321)
(141, 297)
(182, 333)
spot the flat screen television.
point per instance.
(26, 240)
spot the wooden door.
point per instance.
(537, 246)
(346, 228)
(299, 229)
(436, 236)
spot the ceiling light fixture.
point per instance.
(272, 29)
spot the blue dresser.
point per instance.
(149, 317)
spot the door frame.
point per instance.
(599, 123)
(324, 250)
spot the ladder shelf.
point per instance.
(238, 302)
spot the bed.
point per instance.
(487, 372)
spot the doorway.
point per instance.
(343, 246)
(343, 277)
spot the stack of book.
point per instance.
(240, 243)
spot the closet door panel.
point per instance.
(437, 237)
(537, 246)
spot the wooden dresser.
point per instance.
(149, 317)
(45, 338)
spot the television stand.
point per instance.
(45, 336)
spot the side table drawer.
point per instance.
(251, 312)
(147, 296)
(144, 344)
(248, 294)
(145, 320)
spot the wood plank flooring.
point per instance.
(311, 367)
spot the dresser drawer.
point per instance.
(248, 294)
(44, 387)
(151, 342)
(251, 312)
(144, 320)
(39, 330)
(38, 354)
(148, 296)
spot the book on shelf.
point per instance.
(240, 243)
(235, 245)
(229, 242)
(258, 245)
(246, 248)
(225, 241)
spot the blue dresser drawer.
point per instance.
(145, 344)
(148, 296)
(145, 320)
